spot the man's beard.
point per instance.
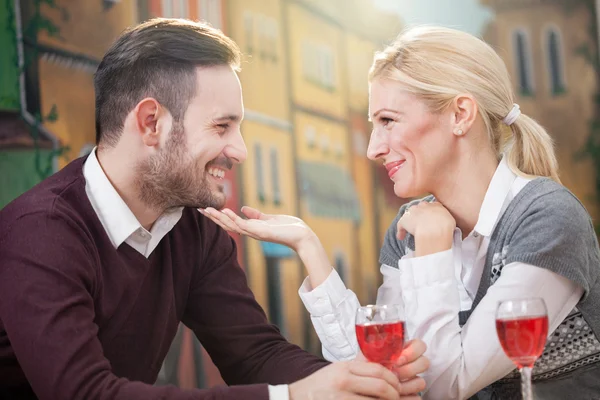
(172, 178)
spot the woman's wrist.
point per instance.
(433, 241)
(314, 257)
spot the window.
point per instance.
(275, 177)
(310, 134)
(249, 31)
(555, 61)
(267, 33)
(360, 142)
(340, 267)
(325, 144)
(523, 63)
(143, 10)
(260, 183)
(327, 68)
(263, 36)
(339, 150)
(167, 9)
(274, 290)
(308, 61)
(318, 64)
(210, 11)
(182, 9)
(272, 35)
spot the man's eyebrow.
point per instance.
(228, 117)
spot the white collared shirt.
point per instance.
(117, 219)
(433, 289)
(122, 226)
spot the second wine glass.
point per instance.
(522, 327)
(380, 331)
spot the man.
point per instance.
(100, 262)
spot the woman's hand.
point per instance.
(432, 226)
(282, 229)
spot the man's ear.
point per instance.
(151, 120)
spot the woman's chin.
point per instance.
(404, 191)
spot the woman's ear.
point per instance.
(464, 112)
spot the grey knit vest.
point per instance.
(546, 226)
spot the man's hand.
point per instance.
(353, 380)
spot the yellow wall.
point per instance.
(367, 271)
(307, 29)
(360, 57)
(264, 80)
(88, 31)
(265, 87)
(305, 103)
(75, 125)
(268, 137)
(334, 134)
(337, 235)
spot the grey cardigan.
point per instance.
(544, 225)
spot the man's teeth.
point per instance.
(218, 173)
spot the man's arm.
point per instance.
(47, 281)
(232, 326)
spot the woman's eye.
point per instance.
(386, 121)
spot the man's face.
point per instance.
(188, 170)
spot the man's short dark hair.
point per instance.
(156, 59)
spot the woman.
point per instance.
(498, 225)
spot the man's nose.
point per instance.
(236, 150)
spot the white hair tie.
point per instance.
(512, 115)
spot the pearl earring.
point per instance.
(459, 132)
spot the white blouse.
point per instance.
(433, 289)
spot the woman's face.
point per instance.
(415, 145)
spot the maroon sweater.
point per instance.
(81, 320)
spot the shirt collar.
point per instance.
(495, 197)
(116, 217)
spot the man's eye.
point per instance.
(223, 126)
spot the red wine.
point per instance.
(381, 343)
(523, 339)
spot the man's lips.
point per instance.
(393, 167)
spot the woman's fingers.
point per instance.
(222, 219)
(252, 213)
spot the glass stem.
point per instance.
(526, 383)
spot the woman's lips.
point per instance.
(393, 167)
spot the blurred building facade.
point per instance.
(59, 45)
(306, 94)
(540, 43)
(23, 146)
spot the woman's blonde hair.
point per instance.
(437, 64)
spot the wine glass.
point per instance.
(380, 333)
(522, 327)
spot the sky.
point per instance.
(467, 15)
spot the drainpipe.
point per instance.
(30, 119)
